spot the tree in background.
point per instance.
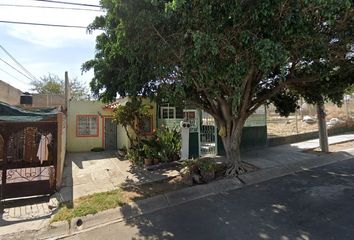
(52, 84)
(226, 57)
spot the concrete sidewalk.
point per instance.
(272, 162)
(92, 172)
(289, 153)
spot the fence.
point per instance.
(304, 120)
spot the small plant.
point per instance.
(97, 149)
(206, 165)
(135, 156)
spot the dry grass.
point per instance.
(281, 126)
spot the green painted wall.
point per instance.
(193, 145)
(252, 137)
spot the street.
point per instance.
(312, 204)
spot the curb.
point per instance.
(77, 225)
(63, 229)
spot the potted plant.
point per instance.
(148, 159)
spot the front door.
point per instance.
(110, 134)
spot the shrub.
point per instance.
(170, 142)
(135, 156)
(97, 149)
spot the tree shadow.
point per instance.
(313, 204)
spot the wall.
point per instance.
(61, 147)
(48, 100)
(9, 94)
(84, 144)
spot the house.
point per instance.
(91, 125)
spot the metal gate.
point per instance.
(208, 140)
(27, 158)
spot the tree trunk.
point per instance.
(232, 141)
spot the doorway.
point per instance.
(110, 134)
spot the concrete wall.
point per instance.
(61, 148)
(9, 94)
(84, 144)
(48, 100)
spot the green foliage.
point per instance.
(226, 57)
(90, 204)
(136, 156)
(285, 103)
(164, 144)
(131, 115)
(97, 149)
(52, 84)
(200, 165)
(170, 143)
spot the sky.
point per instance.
(42, 50)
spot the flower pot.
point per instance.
(207, 175)
(148, 161)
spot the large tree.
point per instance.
(52, 84)
(226, 57)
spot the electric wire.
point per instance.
(12, 75)
(19, 64)
(8, 64)
(69, 3)
(42, 24)
(50, 7)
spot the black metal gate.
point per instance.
(28, 158)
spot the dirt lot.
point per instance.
(338, 147)
(292, 125)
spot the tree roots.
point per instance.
(234, 170)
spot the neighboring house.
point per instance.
(90, 126)
(9, 94)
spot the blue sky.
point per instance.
(43, 50)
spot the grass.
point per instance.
(90, 204)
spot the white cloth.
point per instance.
(42, 152)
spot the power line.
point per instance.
(19, 64)
(12, 76)
(8, 64)
(42, 24)
(61, 8)
(69, 3)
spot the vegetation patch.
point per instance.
(90, 204)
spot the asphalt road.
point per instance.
(312, 204)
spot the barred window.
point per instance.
(87, 126)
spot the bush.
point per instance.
(170, 142)
(97, 149)
(135, 156)
(164, 145)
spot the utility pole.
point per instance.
(322, 127)
(66, 90)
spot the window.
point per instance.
(146, 125)
(87, 126)
(168, 112)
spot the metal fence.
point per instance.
(305, 118)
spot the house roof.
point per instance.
(18, 114)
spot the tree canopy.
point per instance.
(52, 84)
(226, 57)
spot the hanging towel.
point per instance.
(43, 152)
